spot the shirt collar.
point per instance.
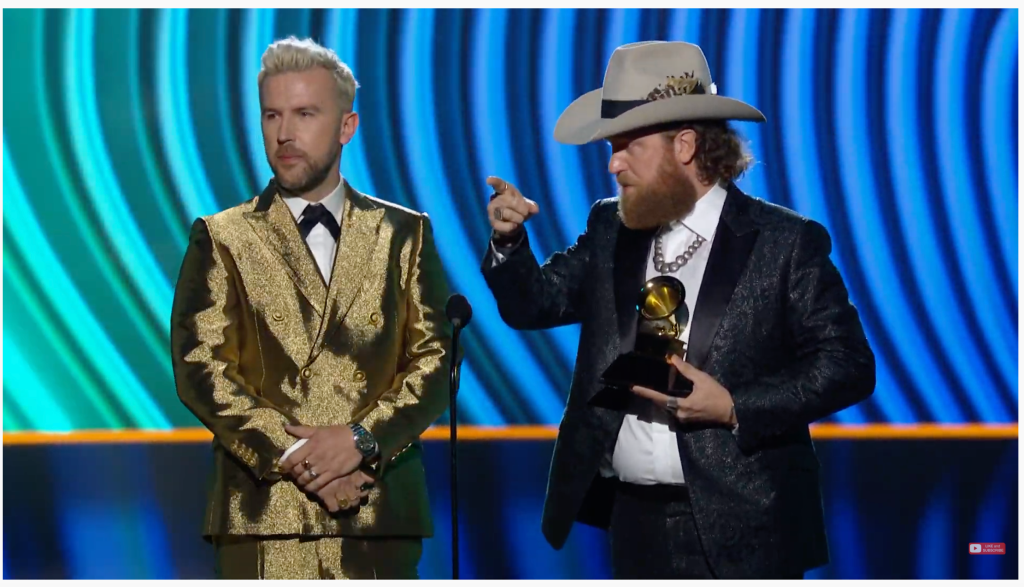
(703, 219)
(334, 202)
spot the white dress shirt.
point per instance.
(646, 452)
(322, 244)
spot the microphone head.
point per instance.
(458, 310)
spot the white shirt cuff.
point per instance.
(292, 449)
(499, 258)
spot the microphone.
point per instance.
(459, 313)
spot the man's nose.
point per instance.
(615, 164)
(285, 131)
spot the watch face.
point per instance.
(364, 445)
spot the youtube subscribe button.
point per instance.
(987, 548)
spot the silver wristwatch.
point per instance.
(366, 444)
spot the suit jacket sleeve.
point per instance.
(205, 353)
(833, 366)
(420, 394)
(534, 297)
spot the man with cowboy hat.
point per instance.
(721, 482)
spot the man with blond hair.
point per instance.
(307, 334)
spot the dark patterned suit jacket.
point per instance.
(773, 324)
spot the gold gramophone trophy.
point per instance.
(662, 317)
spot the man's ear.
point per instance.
(685, 146)
(349, 125)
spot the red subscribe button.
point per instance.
(987, 548)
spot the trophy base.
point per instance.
(648, 371)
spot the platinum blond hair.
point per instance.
(293, 55)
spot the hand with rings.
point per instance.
(308, 470)
(709, 402)
(346, 492)
(508, 209)
(329, 453)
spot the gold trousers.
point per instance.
(328, 557)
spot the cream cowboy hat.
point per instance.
(648, 84)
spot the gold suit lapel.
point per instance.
(360, 222)
(274, 223)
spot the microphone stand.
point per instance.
(452, 422)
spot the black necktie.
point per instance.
(316, 214)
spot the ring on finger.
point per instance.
(312, 473)
(672, 404)
(499, 214)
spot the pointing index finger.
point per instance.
(500, 185)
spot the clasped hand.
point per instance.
(326, 465)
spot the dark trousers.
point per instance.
(654, 536)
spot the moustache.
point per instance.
(289, 152)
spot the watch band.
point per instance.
(359, 432)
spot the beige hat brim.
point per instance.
(581, 122)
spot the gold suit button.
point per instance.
(360, 376)
(374, 318)
(307, 373)
(278, 316)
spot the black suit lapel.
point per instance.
(734, 240)
(631, 250)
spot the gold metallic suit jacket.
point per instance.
(260, 341)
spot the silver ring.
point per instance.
(499, 214)
(312, 474)
(672, 404)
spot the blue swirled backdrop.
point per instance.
(896, 129)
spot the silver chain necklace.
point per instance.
(680, 261)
